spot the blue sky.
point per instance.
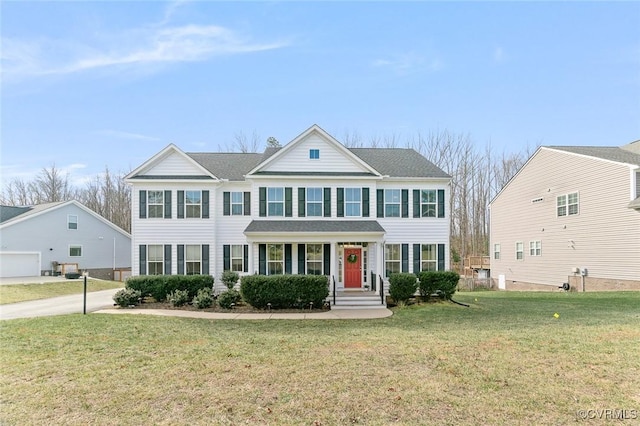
(92, 84)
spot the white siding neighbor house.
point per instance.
(311, 207)
(570, 215)
(42, 239)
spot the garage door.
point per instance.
(19, 264)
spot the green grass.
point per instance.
(504, 360)
(23, 292)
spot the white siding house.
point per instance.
(310, 207)
(36, 238)
(570, 215)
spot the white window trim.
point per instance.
(187, 261)
(433, 261)
(186, 204)
(393, 203)
(72, 246)
(149, 261)
(387, 260)
(497, 249)
(358, 202)
(241, 257)
(308, 261)
(150, 204)
(269, 261)
(521, 251)
(567, 206)
(281, 202)
(315, 203)
(70, 222)
(431, 206)
(535, 248)
(241, 203)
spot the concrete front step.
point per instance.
(357, 301)
(349, 307)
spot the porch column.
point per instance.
(334, 265)
(379, 264)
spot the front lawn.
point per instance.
(507, 359)
(23, 292)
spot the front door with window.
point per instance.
(352, 268)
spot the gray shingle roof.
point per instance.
(330, 226)
(227, 165)
(604, 152)
(9, 212)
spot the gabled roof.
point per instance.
(229, 166)
(32, 211)
(610, 153)
(399, 162)
(9, 212)
(140, 172)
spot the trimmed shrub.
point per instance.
(284, 291)
(127, 297)
(159, 286)
(229, 298)
(204, 299)
(444, 283)
(230, 278)
(178, 297)
(402, 286)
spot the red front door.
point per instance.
(352, 268)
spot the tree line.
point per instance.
(477, 173)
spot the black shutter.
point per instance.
(405, 203)
(365, 202)
(245, 257)
(226, 256)
(440, 202)
(416, 203)
(441, 257)
(301, 202)
(180, 205)
(262, 191)
(327, 202)
(226, 203)
(167, 204)
(205, 259)
(380, 203)
(416, 258)
(247, 204)
(288, 202)
(262, 259)
(302, 257)
(205, 204)
(143, 260)
(180, 259)
(167, 259)
(326, 258)
(143, 205)
(287, 258)
(405, 258)
(340, 202)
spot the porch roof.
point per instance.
(314, 226)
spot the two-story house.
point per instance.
(311, 207)
(570, 215)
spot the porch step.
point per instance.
(357, 300)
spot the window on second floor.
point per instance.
(567, 204)
(275, 201)
(352, 201)
(391, 203)
(496, 251)
(535, 248)
(314, 202)
(155, 204)
(193, 204)
(519, 250)
(75, 251)
(72, 221)
(428, 203)
(237, 203)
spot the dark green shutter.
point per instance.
(327, 202)
(262, 191)
(180, 259)
(262, 259)
(440, 202)
(365, 202)
(302, 257)
(167, 259)
(380, 203)
(143, 205)
(245, 257)
(205, 259)
(167, 204)
(287, 258)
(226, 203)
(416, 258)
(301, 202)
(143, 260)
(180, 205)
(288, 202)
(205, 204)
(340, 195)
(441, 262)
(416, 203)
(405, 203)
(405, 258)
(226, 257)
(327, 259)
(247, 204)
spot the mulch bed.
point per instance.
(240, 308)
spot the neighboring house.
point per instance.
(310, 207)
(570, 215)
(34, 239)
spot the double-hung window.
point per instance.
(193, 204)
(75, 251)
(428, 203)
(237, 258)
(519, 250)
(429, 257)
(392, 259)
(352, 201)
(275, 259)
(193, 259)
(275, 201)
(392, 203)
(496, 251)
(535, 248)
(567, 204)
(155, 204)
(72, 221)
(237, 203)
(155, 259)
(314, 259)
(314, 202)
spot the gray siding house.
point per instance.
(34, 239)
(570, 215)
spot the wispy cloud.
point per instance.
(128, 135)
(410, 62)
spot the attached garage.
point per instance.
(19, 264)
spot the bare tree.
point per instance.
(109, 196)
(245, 144)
